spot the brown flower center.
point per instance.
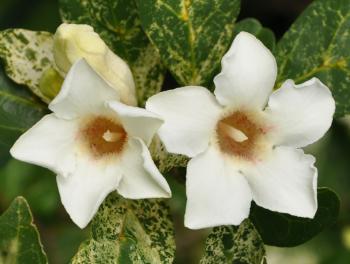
(104, 136)
(238, 135)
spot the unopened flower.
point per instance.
(241, 148)
(95, 144)
(73, 42)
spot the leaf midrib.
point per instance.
(185, 18)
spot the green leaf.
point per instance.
(234, 244)
(4, 155)
(253, 26)
(164, 160)
(283, 230)
(118, 24)
(129, 231)
(19, 238)
(317, 44)
(37, 184)
(19, 110)
(191, 36)
(27, 56)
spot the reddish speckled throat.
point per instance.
(104, 136)
(238, 121)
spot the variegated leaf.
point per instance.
(28, 56)
(234, 244)
(129, 231)
(317, 45)
(191, 35)
(118, 24)
(164, 160)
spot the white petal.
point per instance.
(141, 178)
(137, 122)
(285, 182)
(49, 143)
(217, 194)
(190, 115)
(74, 41)
(83, 191)
(83, 92)
(300, 114)
(248, 73)
(118, 73)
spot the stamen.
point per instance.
(235, 134)
(112, 137)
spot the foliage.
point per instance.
(27, 56)
(126, 231)
(254, 27)
(191, 36)
(19, 238)
(234, 244)
(317, 44)
(35, 183)
(19, 110)
(285, 230)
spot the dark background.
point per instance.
(43, 14)
(61, 238)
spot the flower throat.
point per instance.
(238, 135)
(104, 136)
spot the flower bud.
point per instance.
(73, 42)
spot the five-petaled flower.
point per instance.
(241, 149)
(95, 144)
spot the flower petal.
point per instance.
(141, 178)
(138, 122)
(285, 182)
(49, 143)
(75, 41)
(248, 73)
(300, 114)
(83, 92)
(83, 191)
(217, 194)
(190, 115)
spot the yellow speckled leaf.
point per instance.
(129, 231)
(27, 55)
(191, 35)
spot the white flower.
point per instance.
(241, 149)
(73, 42)
(95, 144)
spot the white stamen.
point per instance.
(236, 134)
(111, 136)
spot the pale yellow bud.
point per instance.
(73, 42)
